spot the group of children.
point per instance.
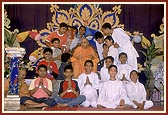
(117, 86)
(87, 90)
(69, 37)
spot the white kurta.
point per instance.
(99, 49)
(136, 91)
(124, 69)
(73, 43)
(111, 93)
(57, 52)
(90, 91)
(126, 46)
(104, 74)
(114, 53)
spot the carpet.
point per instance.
(55, 108)
(155, 108)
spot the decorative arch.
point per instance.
(89, 15)
(84, 14)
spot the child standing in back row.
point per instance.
(112, 50)
(61, 34)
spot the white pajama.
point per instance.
(91, 96)
(137, 92)
(111, 94)
(90, 91)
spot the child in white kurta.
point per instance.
(88, 84)
(99, 40)
(136, 93)
(122, 42)
(120, 36)
(112, 94)
(112, 50)
(124, 68)
(109, 60)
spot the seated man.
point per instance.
(80, 55)
(40, 89)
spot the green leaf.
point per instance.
(157, 52)
(150, 48)
(8, 39)
(13, 37)
(144, 53)
(6, 34)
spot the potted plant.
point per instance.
(151, 52)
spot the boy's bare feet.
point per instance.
(62, 105)
(121, 107)
(99, 106)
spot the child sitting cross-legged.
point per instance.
(40, 89)
(89, 84)
(136, 93)
(69, 93)
(112, 94)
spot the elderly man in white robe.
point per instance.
(122, 42)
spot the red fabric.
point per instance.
(63, 38)
(55, 108)
(33, 34)
(69, 94)
(76, 108)
(52, 64)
